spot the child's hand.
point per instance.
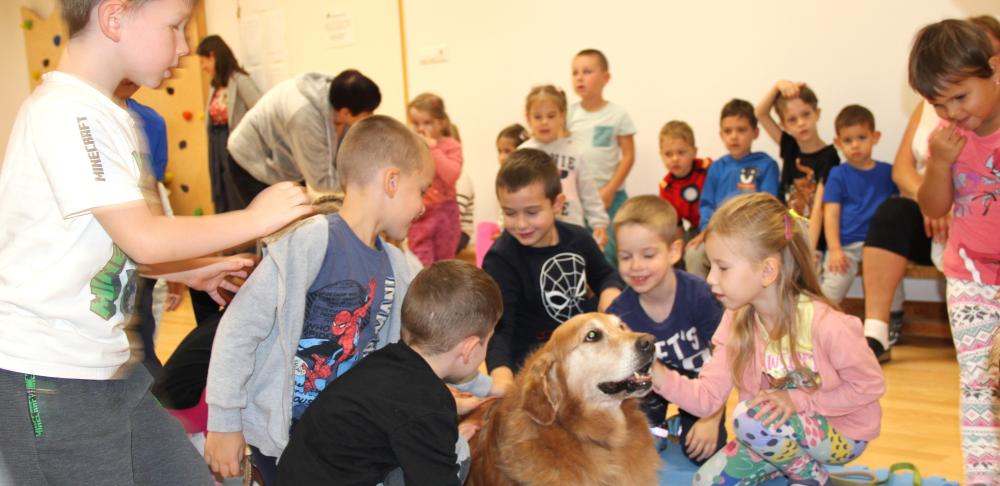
(278, 205)
(465, 402)
(430, 141)
(788, 89)
(703, 438)
(467, 430)
(659, 372)
(937, 228)
(606, 298)
(503, 380)
(601, 236)
(836, 261)
(695, 242)
(607, 196)
(224, 452)
(496, 233)
(214, 276)
(945, 145)
(175, 295)
(776, 407)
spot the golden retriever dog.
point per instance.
(572, 416)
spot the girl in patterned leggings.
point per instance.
(808, 388)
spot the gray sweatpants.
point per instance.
(95, 432)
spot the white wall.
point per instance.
(14, 84)
(669, 60)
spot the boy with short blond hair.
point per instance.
(738, 172)
(392, 415)
(543, 266)
(686, 173)
(672, 305)
(604, 131)
(75, 222)
(326, 294)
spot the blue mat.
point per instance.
(678, 470)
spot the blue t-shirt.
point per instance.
(155, 130)
(348, 302)
(859, 193)
(683, 340)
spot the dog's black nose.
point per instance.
(644, 344)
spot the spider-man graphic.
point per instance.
(345, 326)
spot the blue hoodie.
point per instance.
(727, 177)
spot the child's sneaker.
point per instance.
(895, 327)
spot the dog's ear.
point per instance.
(542, 392)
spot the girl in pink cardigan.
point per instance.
(435, 235)
(808, 386)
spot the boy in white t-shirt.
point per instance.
(605, 133)
(74, 223)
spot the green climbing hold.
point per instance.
(198, 212)
(27, 24)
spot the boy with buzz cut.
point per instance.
(543, 266)
(853, 192)
(740, 171)
(392, 417)
(649, 244)
(77, 228)
(325, 294)
(604, 131)
(806, 159)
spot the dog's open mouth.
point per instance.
(639, 381)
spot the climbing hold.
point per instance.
(201, 115)
(184, 188)
(170, 91)
(187, 115)
(198, 212)
(168, 177)
(57, 39)
(182, 144)
(45, 63)
(27, 24)
(36, 75)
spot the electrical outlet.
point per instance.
(433, 54)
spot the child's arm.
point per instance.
(447, 162)
(707, 203)
(627, 145)
(498, 353)
(206, 274)
(816, 217)
(936, 192)
(149, 238)
(707, 393)
(783, 88)
(425, 449)
(836, 261)
(593, 206)
(601, 276)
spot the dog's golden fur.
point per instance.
(557, 427)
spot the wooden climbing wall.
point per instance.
(180, 100)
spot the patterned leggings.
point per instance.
(797, 450)
(975, 319)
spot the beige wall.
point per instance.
(14, 83)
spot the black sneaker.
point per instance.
(895, 327)
(880, 352)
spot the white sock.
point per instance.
(878, 330)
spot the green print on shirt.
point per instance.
(106, 286)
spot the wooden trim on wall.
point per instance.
(402, 45)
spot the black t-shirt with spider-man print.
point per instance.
(346, 304)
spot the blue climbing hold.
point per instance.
(57, 39)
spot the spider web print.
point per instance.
(563, 282)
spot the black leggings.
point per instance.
(898, 226)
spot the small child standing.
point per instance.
(809, 391)
(953, 66)
(853, 192)
(435, 235)
(806, 159)
(682, 185)
(738, 172)
(545, 109)
(392, 416)
(604, 131)
(543, 266)
(649, 245)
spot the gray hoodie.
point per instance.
(251, 372)
(289, 136)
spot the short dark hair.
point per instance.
(946, 52)
(515, 132)
(225, 60)
(601, 58)
(740, 108)
(853, 115)
(354, 91)
(526, 166)
(448, 302)
(988, 24)
(806, 94)
(374, 143)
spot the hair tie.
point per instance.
(788, 227)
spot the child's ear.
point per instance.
(110, 15)
(770, 269)
(557, 205)
(391, 180)
(468, 346)
(676, 250)
(837, 143)
(876, 136)
(756, 133)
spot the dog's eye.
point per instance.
(592, 336)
